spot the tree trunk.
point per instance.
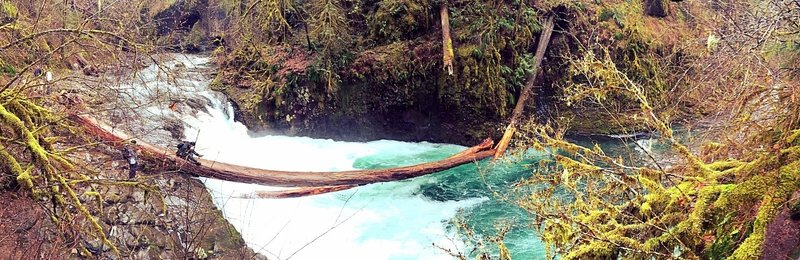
(544, 40)
(223, 171)
(308, 37)
(294, 193)
(447, 42)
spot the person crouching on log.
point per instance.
(187, 152)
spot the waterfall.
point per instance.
(379, 221)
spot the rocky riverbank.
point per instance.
(159, 214)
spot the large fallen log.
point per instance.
(310, 191)
(321, 180)
(544, 40)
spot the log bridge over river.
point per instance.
(310, 183)
(298, 183)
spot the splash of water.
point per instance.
(380, 221)
(410, 219)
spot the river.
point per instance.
(411, 219)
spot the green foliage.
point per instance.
(712, 42)
(399, 19)
(32, 147)
(598, 80)
(274, 85)
(787, 49)
(598, 206)
(725, 240)
(357, 42)
(647, 50)
(9, 10)
(329, 27)
(630, 47)
(8, 13)
(482, 79)
(592, 205)
(7, 68)
(494, 58)
(26, 126)
(271, 18)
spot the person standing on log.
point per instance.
(48, 79)
(186, 151)
(130, 154)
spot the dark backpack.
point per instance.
(127, 153)
(183, 149)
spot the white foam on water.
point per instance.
(344, 225)
(378, 221)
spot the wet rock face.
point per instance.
(374, 99)
(164, 216)
(362, 116)
(783, 232)
(178, 17)
(158, 214)
(175, 128)
(178, 222)
(655, 8)
(173, 218)
(794, 209)
(192, 26)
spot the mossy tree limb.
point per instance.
(594, 201)
(46, 161)
(447, 41)
(544, 41)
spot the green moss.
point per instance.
(29, 124)
(606, 14)
(745, 192)
(724, 165)
(196, 38)
(595, 121)
(794, 138)
(635, 48)
(504, 253)
(9, 10)
(392, 47)
(216, 84)
(595, 249)
(399, 19)
(765, 183)
(7, 68)
(752, 246)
